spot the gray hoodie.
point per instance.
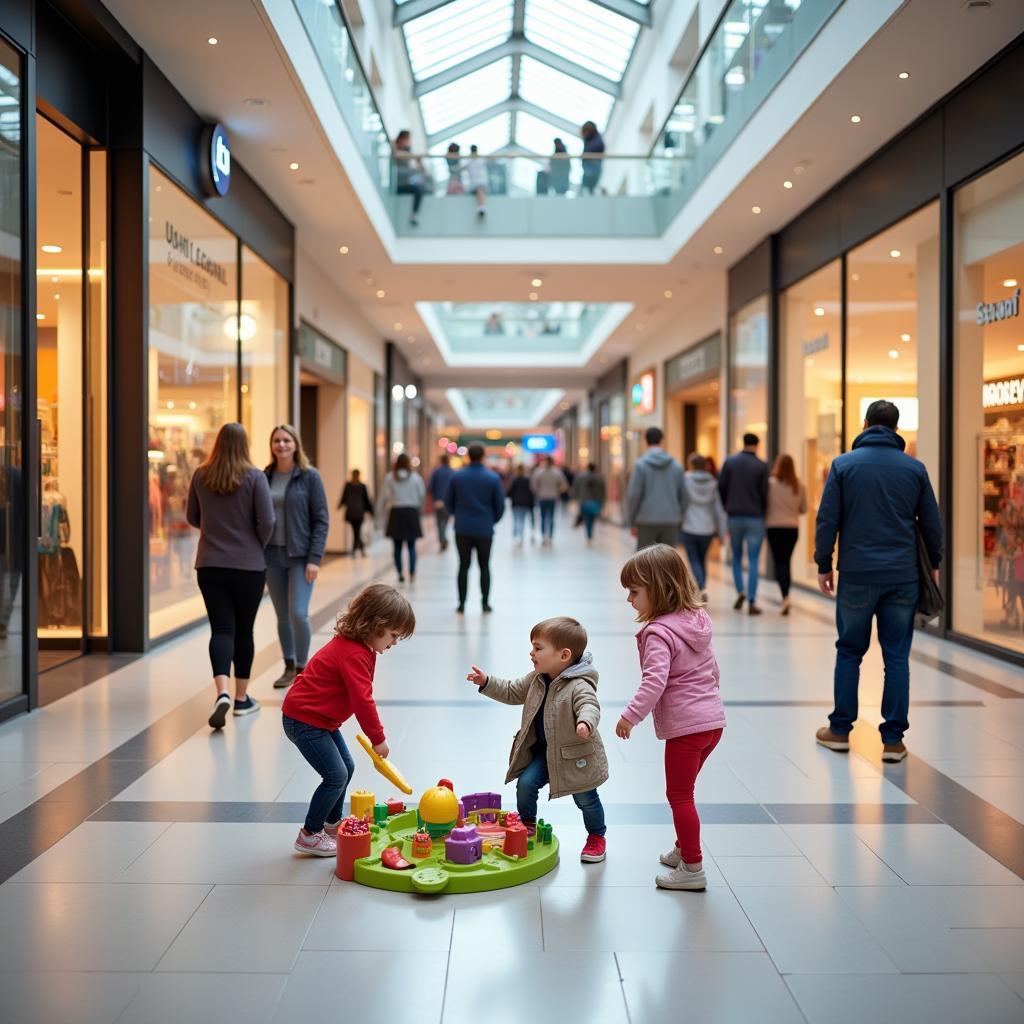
(657, 492)
(403, 489)
(704, 513)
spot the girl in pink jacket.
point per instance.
(680, 685)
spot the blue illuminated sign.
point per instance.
(215, 160)
(539, 444)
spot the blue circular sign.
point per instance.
(216, 159)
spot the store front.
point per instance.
(609, 430)
(693, 416)
(407, 421)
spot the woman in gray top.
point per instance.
(296, 546)
(403, 495)
(229, 501)
(703, 518)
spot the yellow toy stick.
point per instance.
(384, 766)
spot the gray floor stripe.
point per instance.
(970, 678)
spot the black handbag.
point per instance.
(930, 603)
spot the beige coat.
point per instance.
(574, 765)
(784, 507)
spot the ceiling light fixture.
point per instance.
(54, 279)
(293, 166)
(893, 354)
(787, 184)
(855, 119)
(343, 249)
(904, 337)
(536, 282)
(1020, 348)
(256, 101)
(718, 250)
(904, 75)
(411, 339)
(667, 293)
(381, 293)
(40, 316)
(533, 296)
(1010, 282)
(52, 248)
(755, 209)
(819, 311)
(398, 326)
(213, 40)
(895, 253)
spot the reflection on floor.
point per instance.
(839, 890)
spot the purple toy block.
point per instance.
(464, 845)
(479, 801)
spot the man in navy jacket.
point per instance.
(876, 498)
(476, 499)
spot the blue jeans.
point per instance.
(751, 530)
(894, 606)
(535, 775)
(696, 545)
(329, 757)
(590, 510)
(547, 516)
(520, 513)
(411, 545)
(290, 594)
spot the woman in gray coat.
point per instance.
(704, 517)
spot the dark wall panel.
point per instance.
(751, 277)
(16, 22)
(810, 241)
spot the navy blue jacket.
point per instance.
(874, 498)
(475, 498)
(437, 485)
(306, 515)
(743, 485)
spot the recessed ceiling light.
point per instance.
(787, 184)
(56, 295)
(256, 101)
(810, 361)
(856, 277)
(799, 169)
(381, 293)
(51, 248)
(536, 282)
(1010, 282)
(1020, 348)
(343, 249)
(718, 250)
(411, 339)
(893, 354)
(398, 326)
(755, 209)
(244, 389)
(667, 293)
(819, 311)
(212, 40)
(293, 166)
(40, 316)
(904, 337)
(533, 296)
(895, 253)
(54, 279)
(904, 75)
(855, 119)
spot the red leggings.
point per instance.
(684, 758)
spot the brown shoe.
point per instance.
(832, 740)
(892, 753)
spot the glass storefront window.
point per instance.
(988, 448)
(192, 381)
(810, 410)
(748, 374)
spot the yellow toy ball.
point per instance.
(438, 806)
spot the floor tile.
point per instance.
(224, 998)
(507, 919)
(840, 857)
(66, 997)
(747, 841)
(768, 871)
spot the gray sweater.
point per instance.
(657, 493)
(233, 528)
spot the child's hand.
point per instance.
(381, 749)
(477, 675)
(623, 729)
(583, 730)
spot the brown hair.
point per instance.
(785, 472)
(669, 582)
(228, 463)
(403, 462)
(301, 458)
(562, 632)
(696, 462)
(373, 610)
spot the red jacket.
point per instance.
(335, 685)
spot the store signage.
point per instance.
(539, 444)
(215, 160)
(998, 393)
(190, 260)
(703, 360)
(1005, 309)
(818, 344)
(642, 394)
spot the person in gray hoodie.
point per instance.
(656, 497)
(403, 495)
(704, 517)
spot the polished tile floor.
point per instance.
(148, 873)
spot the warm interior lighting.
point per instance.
(213, 40)
(895, 253)
(904, 75)
(536, 282)
(52, 248)
(855, 119)
(381, 293)
(893, 354)
(1010, 282)
(787, 184)
(819, 311)
(755, 209)
(667, 293)
(718, 250)
(293, 166)
(343, 249)
(904, 337)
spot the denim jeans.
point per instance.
(547, 516)
(397, 553)
(894, 606)
(751, 530)
(535, 775)
(441, 518)
(590, 510)
(328, 755)
(520, 513)
(696, 545)
(290, 594)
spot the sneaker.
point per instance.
(486, 609)
(681, 877)
(672, 858)
(832, 740)
(332, 830)
(286, 678)
(245, 707)
(892, 753)
(738, 603)
(753, 609)
(594, 850)
(319, 845)
(220, 712)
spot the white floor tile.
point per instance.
(747, 841)
(507, 919)
(224, 998)
(768, 871)
(840, 857)
(66, 997)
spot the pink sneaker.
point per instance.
(319, 845)
(332, 830)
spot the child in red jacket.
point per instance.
(335, 685)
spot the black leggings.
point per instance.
(782, 540)
(232, 598)
(465, 544)
(357, 535)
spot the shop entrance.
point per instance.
(698, 420)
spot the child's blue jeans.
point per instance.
(535, 775)
(329, 756)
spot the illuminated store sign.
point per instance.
(990, 312)
(998, 393)
(539, 444)
(642, 394)
(215, 160)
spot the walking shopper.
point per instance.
(590, 491)
(355, 499)
(548, 483)
(787, 502)
(743, 485)
(410, 177)
(437, 487)
(656, 495)
(876, 498)
(403, 494)
(477, 173)
(520, 493)
(296, 547)
(477, 501)
(229, 502)
(593, 144)
(704, 518)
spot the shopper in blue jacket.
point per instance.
(476, 499)
(437, 487)
(876, 498)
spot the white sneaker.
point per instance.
(672, 858)
(680, 878)
(319, 845)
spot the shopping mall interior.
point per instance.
(542, 228)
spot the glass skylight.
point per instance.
(489, 136)
(562, 95)
(589, 35)
(539, 136)
(467, 96)
(454, 33)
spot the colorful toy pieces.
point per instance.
(439, 811)
(385, 767)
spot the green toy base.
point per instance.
(434, 874)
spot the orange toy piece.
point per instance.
(353, 843)
(385, 767)
(421, 845)
(515, 840)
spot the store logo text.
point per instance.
(193, 254)
(1003, 392)
(989, 312)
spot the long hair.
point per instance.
(669, 582)
(403, 462)
(228, 463)
(301, 458)
(785, 472)
(374, 610)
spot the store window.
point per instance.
(748, 373)
(192, 381)
(810, 410)
(988, 456)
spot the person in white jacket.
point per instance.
(402, 496)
